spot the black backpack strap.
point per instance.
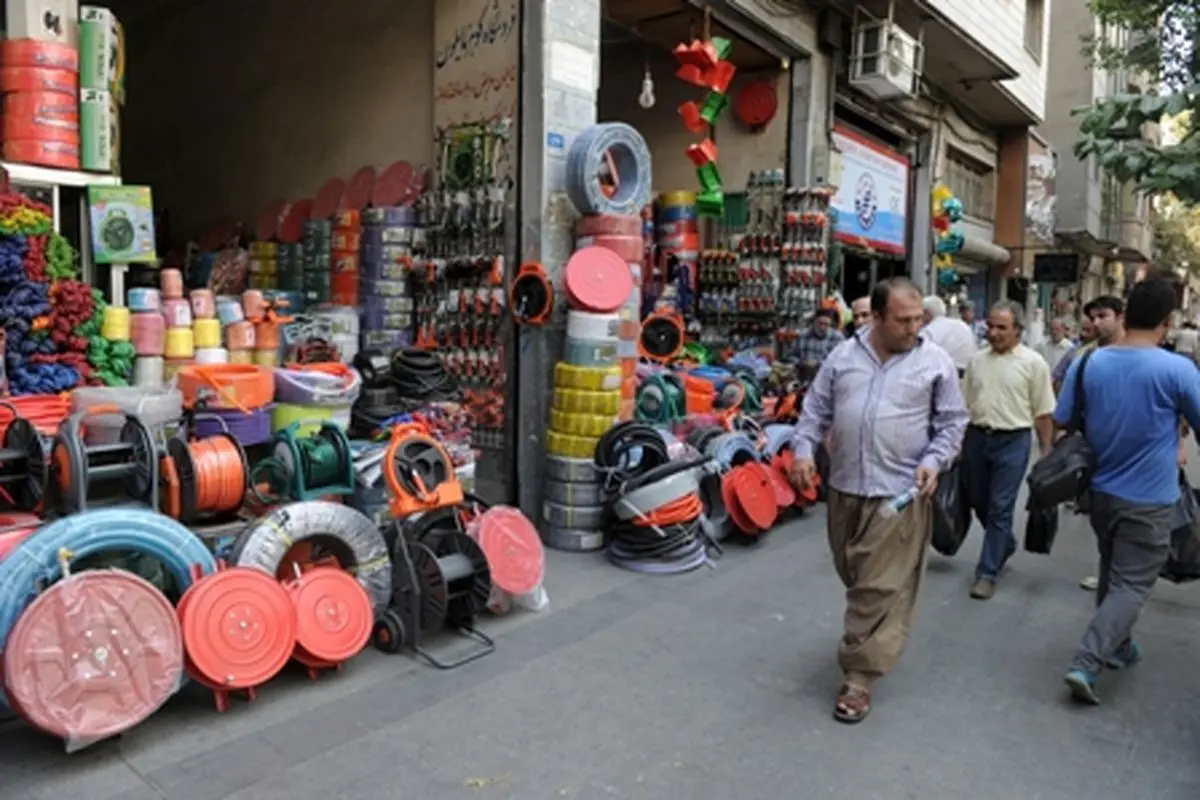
(1078, 411)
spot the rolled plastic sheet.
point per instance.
(160, 409)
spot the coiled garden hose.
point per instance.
(420, 375)
(628, 450)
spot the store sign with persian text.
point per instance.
(872, 195)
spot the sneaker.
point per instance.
(1091, 583)
(1083, 687)
(983, 589)
(1126, 657)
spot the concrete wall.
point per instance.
(741, 150)
(232, 103)
(999, 27)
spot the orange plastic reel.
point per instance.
(428, 480)
(334, 617)
(531, 287)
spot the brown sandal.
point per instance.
(853, 704)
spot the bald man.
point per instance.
(860, 311)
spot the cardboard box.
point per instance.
(44, 20)
(100, 132)
(101, 52)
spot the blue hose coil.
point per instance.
(35, 563)
(778, 437)
(588, 158)
(732, 449)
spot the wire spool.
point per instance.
(587, 425)
(419, 472)
(579, 401)
(660, 399)
(240, 336)
(615, 149)
(23, 467)
(93, 656)
(573, 529)
(148, 332)
(609, 225)
(206, 333)
(308, 467)
(566, 445)
(331, 528)
(441, 581)
(594, 353)
(597, 280)
(658, 520)
(38, 562)
(662, 337)
(239, 630)
(212, 355)
(115, 324)
(76, 467)
(205, 479)
(591, 379)
(179, 343)
(177, 312)
(334, 617)
(144, 300)
(530, 295)
(149, 372)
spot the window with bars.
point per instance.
(973, 183)
(1035, 21)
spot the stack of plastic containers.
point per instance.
(318, 261)
(347, 238)
(390, 236)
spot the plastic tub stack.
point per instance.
(40, 82)
(318, 260)
(621, 234)
(148, 330)
(347, 238)
(678, 232)
(390, 237)
(179, 340)
(264, 265)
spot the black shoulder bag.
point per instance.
(951, 514)
(1065, 473)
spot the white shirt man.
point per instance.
(952, 335)
(1055, 349)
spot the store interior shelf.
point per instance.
(29, 175)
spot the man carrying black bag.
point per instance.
(1133, 395)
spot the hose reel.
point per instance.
(419, 472)
(441, 580)
(530, 295)
(204, 479)
(76, 467)
(310, 467)
(662, 337)
(23, 467)
(661, 399)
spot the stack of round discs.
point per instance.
(264, 265)
(179, 343)
(573, 507)
(206, 329)
(318, 259)
(678, 233)
(623, 235)
(347, 238)
(390, 236)
(40, 84)
(148, 330)
(290, 267)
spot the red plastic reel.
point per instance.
(785, 495)
(513, 549)
(268, 220)
(93, 656)
(325, 205)
(358, 190)
(733, 505)
(609, 225)
(334, 617)
(755, 495)
(804, 497)
(239, 628)
(597, 280)
(392, 185)
(291, 226)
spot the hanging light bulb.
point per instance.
(646, 98)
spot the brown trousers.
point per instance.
(881, 562)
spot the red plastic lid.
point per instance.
(785, 495)
(328, 197)
(513, 549)
(752, 487)
(239, 628)
(93, 656)
(291, 227)
(14, 529)
(597, 280)
(392, 185)
(268, 219)
(358, 190)
(757, 104)
(334, 616)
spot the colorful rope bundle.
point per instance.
(111, 363)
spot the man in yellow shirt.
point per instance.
(1009, 396)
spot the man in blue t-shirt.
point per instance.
(1134, 394)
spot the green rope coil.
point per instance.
(60, 258)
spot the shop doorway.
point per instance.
(860, 272)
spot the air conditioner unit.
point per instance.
(886, 61)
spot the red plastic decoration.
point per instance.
(757, 104)
(704, 153)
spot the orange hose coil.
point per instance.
(678, 512)
(220, 478)
(242, 386)
(44, 411)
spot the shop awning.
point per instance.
(1088, 244)
(984, 252)
(666, 23)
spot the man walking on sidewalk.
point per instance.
(1133, 395)
(1009, 396)
(890, 404)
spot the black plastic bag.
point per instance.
(951, 512)
(1183, 564)
(1040, 529)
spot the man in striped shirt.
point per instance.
(889, 401)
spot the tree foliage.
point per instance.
(1159, 52)
(1177, 235)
